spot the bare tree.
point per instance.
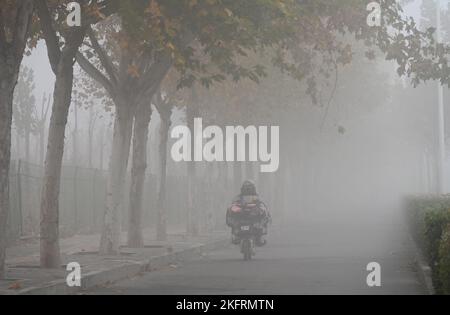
(41, 124)
(24, 116)
(164, 107)
(75, 155)
(91, 128)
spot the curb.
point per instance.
(127, 270)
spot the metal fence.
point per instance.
(83, 198)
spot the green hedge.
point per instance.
(444, 261)
(429, 219)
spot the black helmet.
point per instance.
(248, 188)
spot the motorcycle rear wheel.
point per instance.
(247, 249)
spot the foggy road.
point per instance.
(133, 132)
(312, 258)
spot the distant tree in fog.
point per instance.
(41, 125)
(92, 98)
(25, 109)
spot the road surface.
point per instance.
(307, 258)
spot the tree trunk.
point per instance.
(42, 124)
(140, 138)
(75, 137)
(249, 172)
(26, 169)
(36, 150)
(237, 176)
(18, 153)
(42, 146)
(192, 221)
(208, 199)
(6, 99)
(161, 227)
(192, 217)
(50, 255)
(123, 126)
(91, 135)
(10, 61)
(90, 146)
(102, 147)
(27, 145)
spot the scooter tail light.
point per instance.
(236, 209)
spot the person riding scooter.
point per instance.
(248, 198)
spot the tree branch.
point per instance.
(22, 26)
(149, 94)
(104, 58)
(125, 62)
(94, 73)
(158, 99)
(106, 8)
(154, 75)
(51, 39)
(164, 107)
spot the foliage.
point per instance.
(87, 93)
(209, 41)
(436, 220)
(430, 220)
(444, 261)
(24, 114)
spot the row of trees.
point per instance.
(90, 113)
(131, 47)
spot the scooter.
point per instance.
(247, 229)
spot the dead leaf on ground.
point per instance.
(15, 286)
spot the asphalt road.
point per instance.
(307, 258)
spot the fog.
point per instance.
(352, 146)
(359, 154)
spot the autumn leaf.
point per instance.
(170, 46)
(154, 9)
(192, 3)
(95, 11)
(202, 12)
(15, 286)
(133, 71)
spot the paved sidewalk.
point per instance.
(25, 277)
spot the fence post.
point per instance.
(19, 196)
